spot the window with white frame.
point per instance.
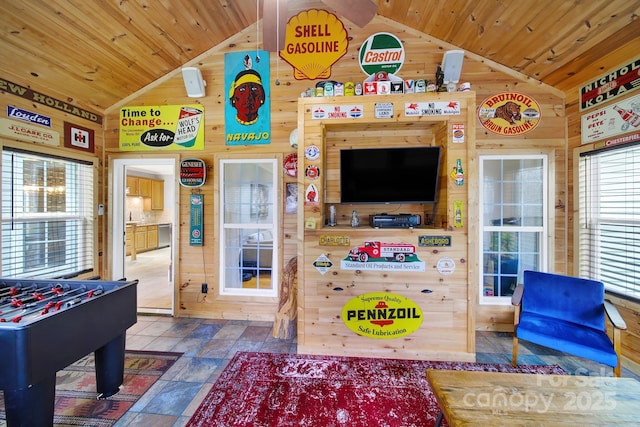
(513, 218)
(47, 215)
(249, 239)
(609, 218)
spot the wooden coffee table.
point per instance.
(494, 399)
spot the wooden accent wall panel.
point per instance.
(448, 328)
(423, 54)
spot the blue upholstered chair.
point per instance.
(566, 314)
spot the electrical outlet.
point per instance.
(205, 288)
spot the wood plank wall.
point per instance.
(58, 117)
(557, 134)
(629, 310)
(423, 54)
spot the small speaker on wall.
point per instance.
(193, 82)
(451, 67)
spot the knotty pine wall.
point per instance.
(57, 124)
(423, 54)
(630, 311)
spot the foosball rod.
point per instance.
(37, 295)
(71, 301)
(38, 305)
(15, 290)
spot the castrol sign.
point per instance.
(381, 52)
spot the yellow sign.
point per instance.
(382, 315)
(165, 127)
(509, 114)
(314, 41)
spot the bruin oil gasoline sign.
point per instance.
(509, 114)
(382, 315)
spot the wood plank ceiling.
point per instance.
(98, 52)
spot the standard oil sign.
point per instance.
(382, 315)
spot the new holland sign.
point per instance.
(382, 315)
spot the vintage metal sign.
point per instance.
(437, 108)
(381, 52)
(314, 41)
(32, 95)
(162, 127)
(28, 116)
(611, 85)
(434, 241)
(322, 264)
(509, 114)
(196, 236)
(332, 112)
(26, 132)
(612, 120)
(78, 137)
(326, 240)
(382, 315)
(247, 110)
(382, 256)
(193, 172)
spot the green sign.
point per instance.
(381, 52)
(195, 230)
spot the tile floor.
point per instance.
(208, 345)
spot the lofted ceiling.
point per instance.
(98, 52)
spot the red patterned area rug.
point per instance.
(76, 403)
(269, 390)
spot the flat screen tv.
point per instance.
(389, 175)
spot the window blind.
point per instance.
(609, 218)
(47, 215)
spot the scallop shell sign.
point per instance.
(314, 41)
(382, 315)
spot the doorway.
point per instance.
(143, 222)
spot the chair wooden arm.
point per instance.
(614, 316)
(516, 298)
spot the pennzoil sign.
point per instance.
(382, 315)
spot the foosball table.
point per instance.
(46, 325)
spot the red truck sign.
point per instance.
(398, 252)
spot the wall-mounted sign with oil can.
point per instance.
(193, 172)
(382, 315)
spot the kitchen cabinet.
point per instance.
(129, 239)
(152, 237)
(140, 238)
(157, 194)
(144, 185)
(133, 185)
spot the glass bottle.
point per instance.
(355, 222)
(459, 173)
